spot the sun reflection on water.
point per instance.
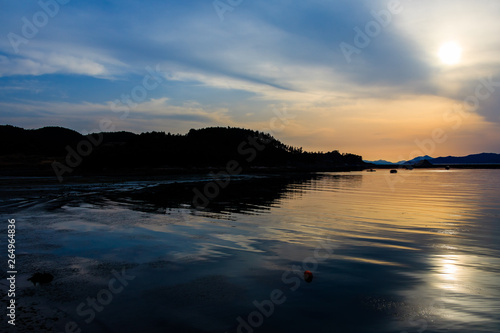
(449, 268)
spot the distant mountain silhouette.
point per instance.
(56, 147)
(379, 162)
(422, 164)
(483, 158)
(476, 159)
(416, 160)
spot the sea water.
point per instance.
(416, 251)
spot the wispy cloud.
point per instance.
(263, 53)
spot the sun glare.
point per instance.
(450, 53)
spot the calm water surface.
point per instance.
(416, 251)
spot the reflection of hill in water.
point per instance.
(246, 196)
(243, 194)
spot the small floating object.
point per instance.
(41, 278)
(394, 171)
(308, 276)
(447, 167)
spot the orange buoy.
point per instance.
(308, 276)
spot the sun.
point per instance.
(450, 53)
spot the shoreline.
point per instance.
(437, 166)
(160, 172)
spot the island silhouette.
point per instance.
(65, 152)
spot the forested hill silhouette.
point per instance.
(203, 148)
(49, 141)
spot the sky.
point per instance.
(383, 79)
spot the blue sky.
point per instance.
(192, 64)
